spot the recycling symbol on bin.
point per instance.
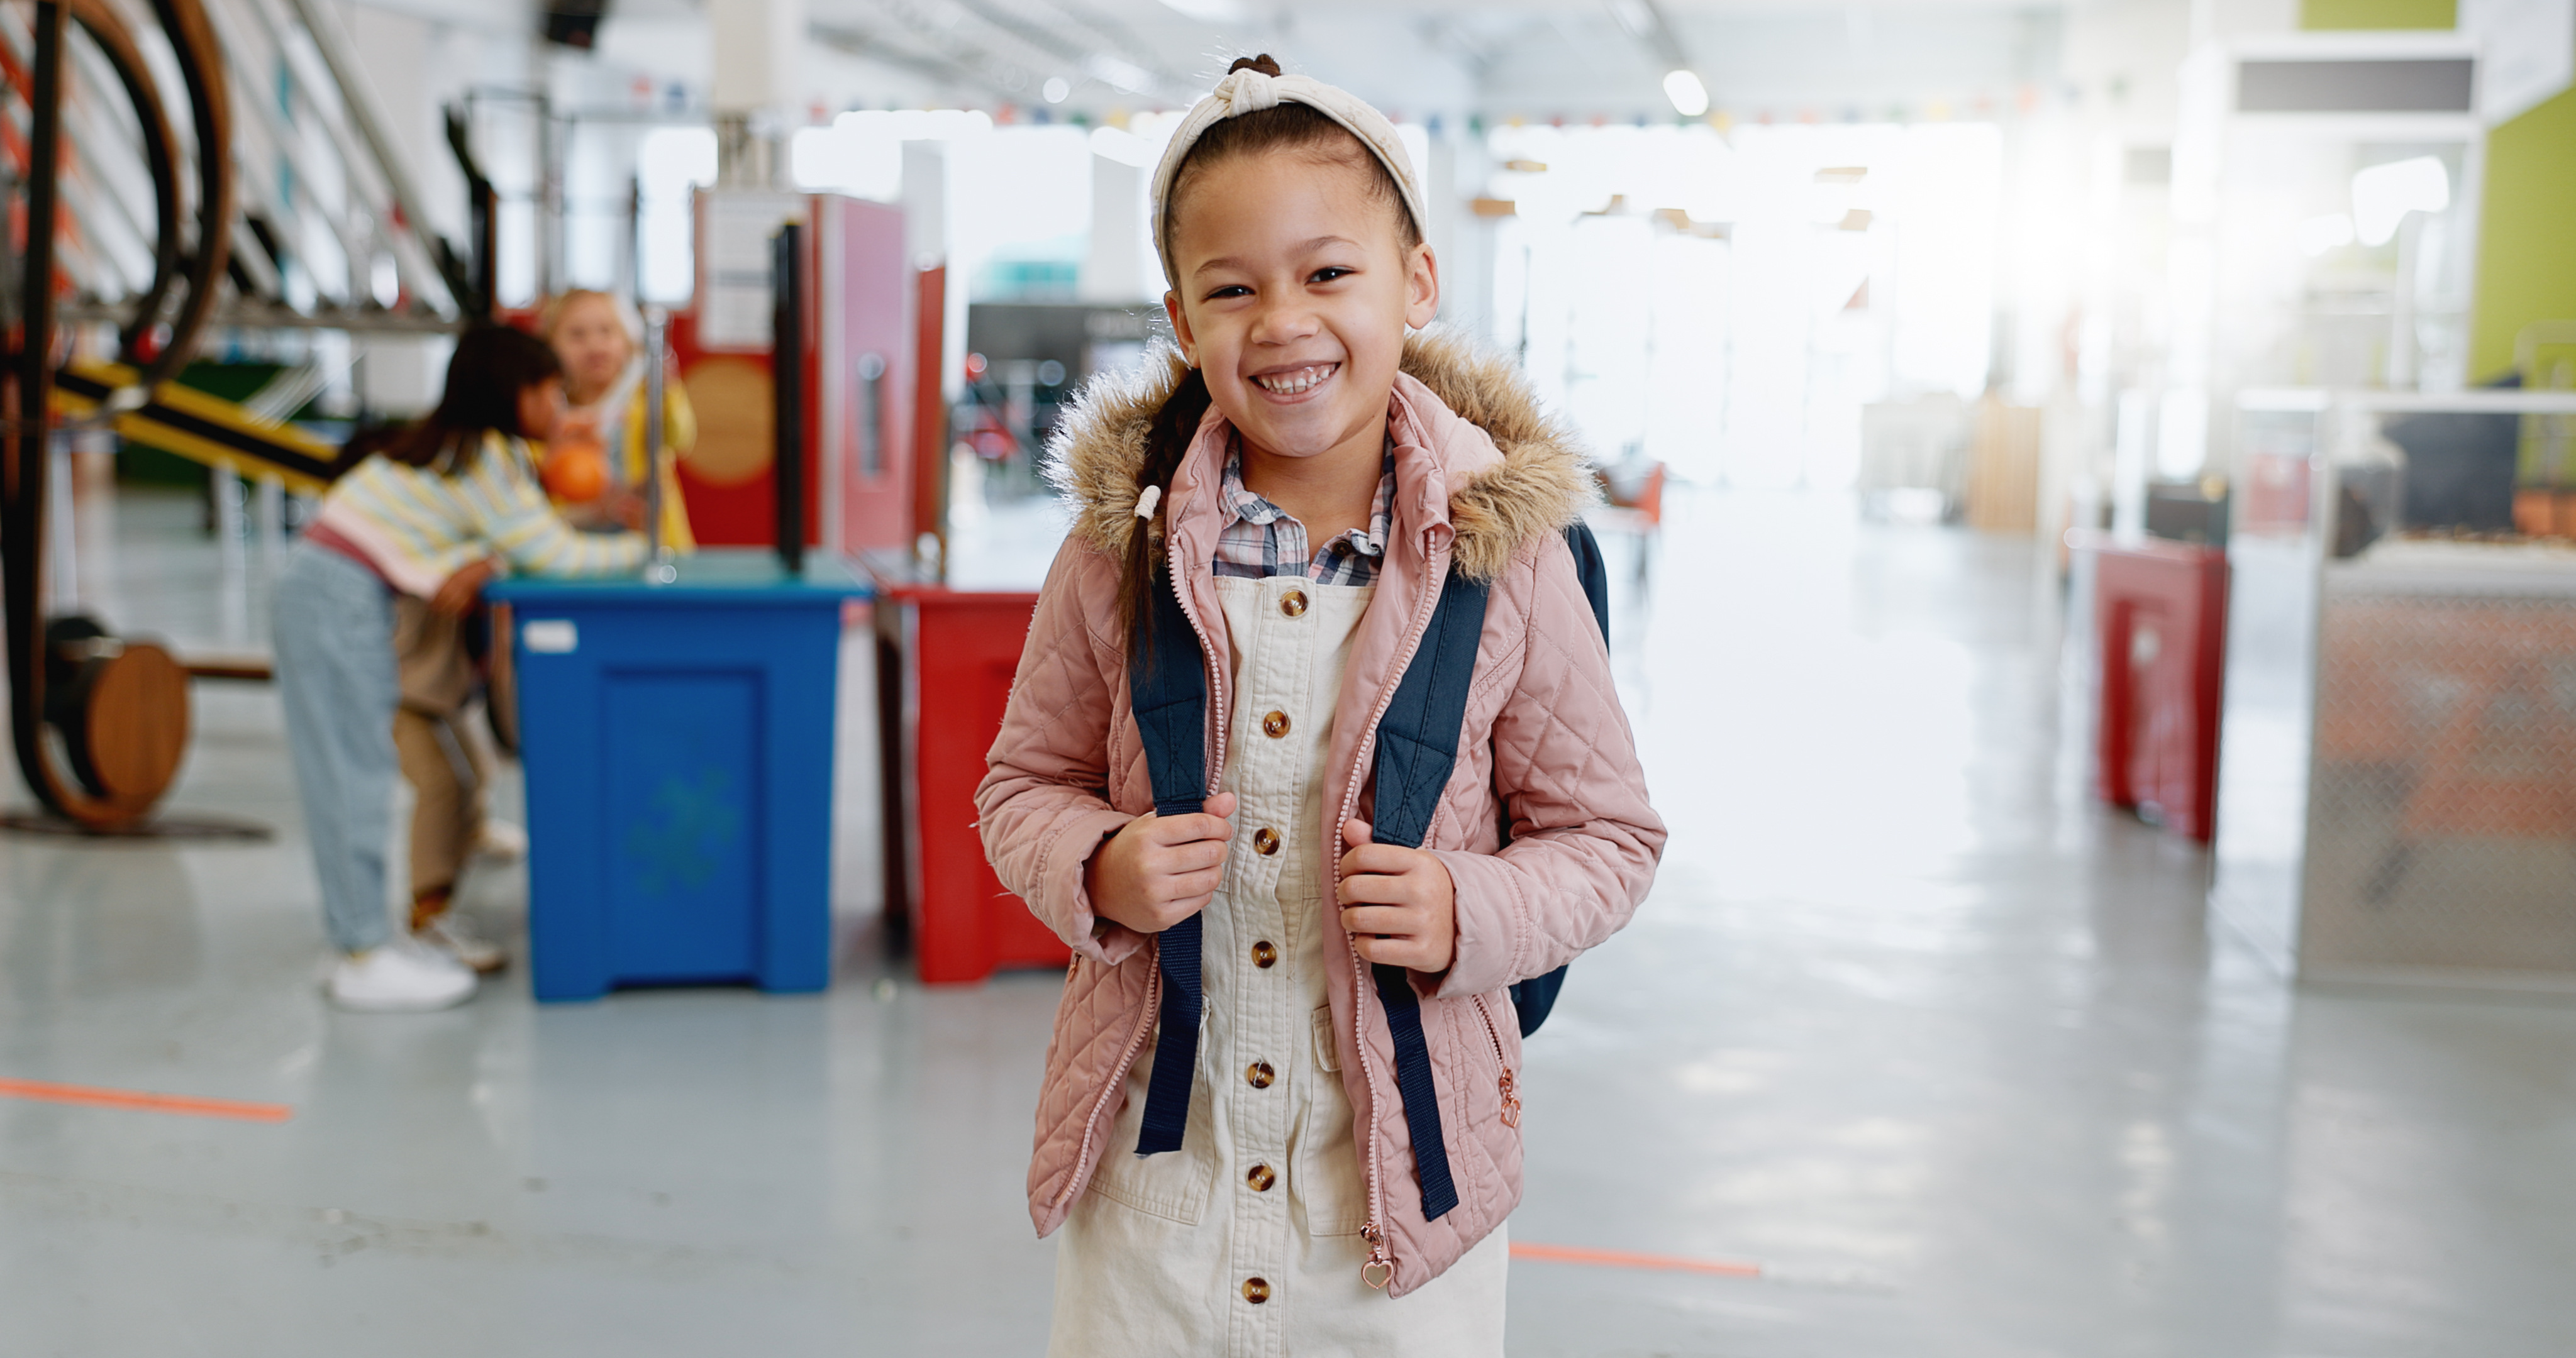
(692, 820)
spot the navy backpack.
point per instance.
(1417, 747)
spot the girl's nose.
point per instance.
(1284, 322)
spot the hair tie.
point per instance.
(1145, 503)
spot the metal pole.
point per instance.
(657, 568)
(550, 194)
(787, 362)
(634, 261)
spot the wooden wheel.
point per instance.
(134, 733)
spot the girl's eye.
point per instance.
(1330, 272)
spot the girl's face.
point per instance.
(593, 345)
(1295, 289)
(541, 408)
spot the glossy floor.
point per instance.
(1954, 1058)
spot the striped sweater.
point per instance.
(420, 525)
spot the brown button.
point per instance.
(1265, 841)
(1275, 725)
(1264, 954)
(1259, 1074)
(1293, 603)
(1256, 1290)
(1261, 1178)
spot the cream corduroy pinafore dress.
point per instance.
(1246, 1241)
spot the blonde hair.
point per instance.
(552, 314)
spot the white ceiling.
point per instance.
(1531, 58)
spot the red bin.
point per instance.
(945, 659)
(2161, 611)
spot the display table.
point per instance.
(2398, 760)
(678, 743)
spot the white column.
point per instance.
(928, 239)
(754, 86)
(1119, 266)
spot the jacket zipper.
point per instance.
(1154, 981)
(1215, 683)
(1511, 1095)
(1117, 1077)
(1379, 1268)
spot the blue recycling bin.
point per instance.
(677, 740)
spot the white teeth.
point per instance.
(1290, 384)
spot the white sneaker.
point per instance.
(401, 975)
(500, 841)
(450, 934)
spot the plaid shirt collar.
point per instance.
(1259, 539)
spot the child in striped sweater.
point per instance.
(438, 511)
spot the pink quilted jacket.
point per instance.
(1484, 480)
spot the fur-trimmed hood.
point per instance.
(1540, 484)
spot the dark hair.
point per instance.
(491, 366)
(367, 439)
(1289, 127)
(1166, 438)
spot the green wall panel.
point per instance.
(2526, 232)
(2340, 14)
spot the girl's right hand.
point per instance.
(1160, 870)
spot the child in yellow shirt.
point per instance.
(600, 340)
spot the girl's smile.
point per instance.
(1295, 383)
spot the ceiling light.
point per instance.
(1690, 98)
(1056, 90)
(1125, 75)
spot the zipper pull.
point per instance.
(1511, 1101)
(1379, 1270)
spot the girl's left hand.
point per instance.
(1399, 904)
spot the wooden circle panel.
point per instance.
(737, 408)
(138, 724)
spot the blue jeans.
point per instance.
(334, 630)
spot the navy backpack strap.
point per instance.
(1591, 572)
(1167, 687)
(1417, 745)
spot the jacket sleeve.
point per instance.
(1585, 840)
(1043, 806)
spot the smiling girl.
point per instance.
(1302, 476)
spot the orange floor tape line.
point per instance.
(1572, 1254)
(89, 1097)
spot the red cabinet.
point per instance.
(859, 379)
(945, 660)
(2160, 612)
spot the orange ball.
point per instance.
(576, 472)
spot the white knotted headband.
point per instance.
(1250, 91)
